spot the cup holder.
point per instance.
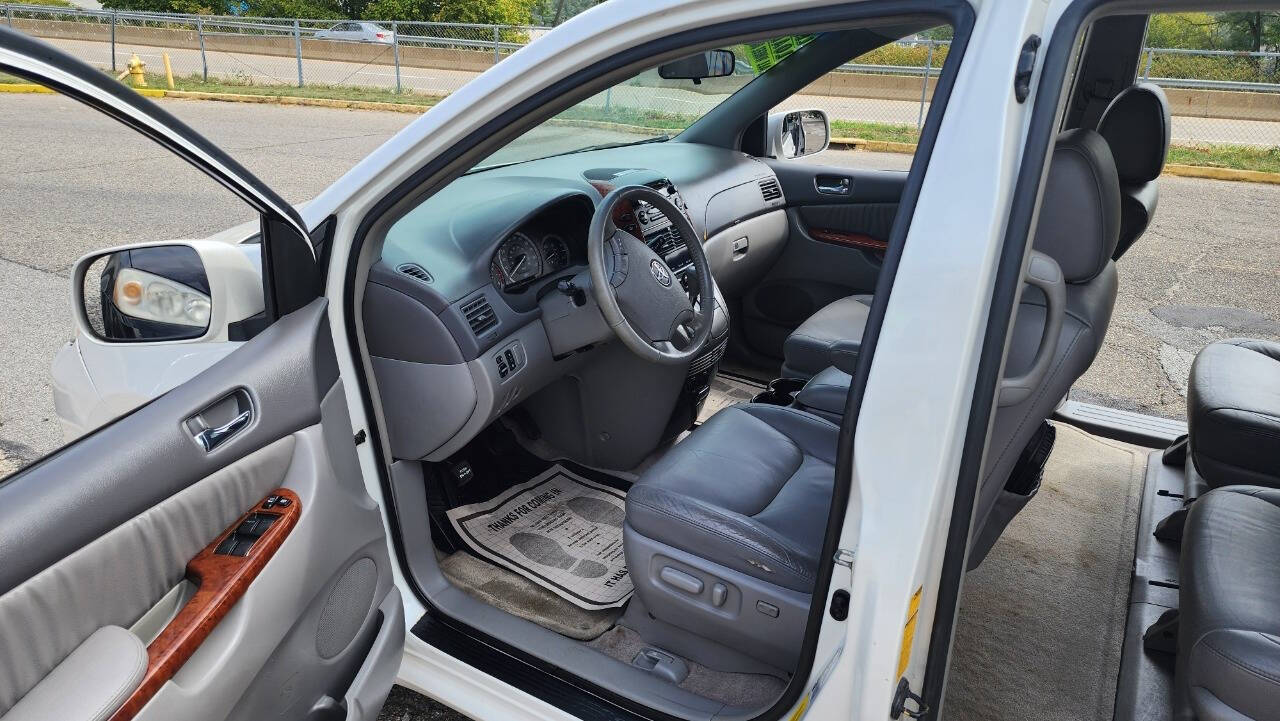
(780, 392)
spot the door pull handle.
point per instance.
(211, 438)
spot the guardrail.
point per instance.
(436, 58)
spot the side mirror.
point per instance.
(709, 64)
(166, 292)
(797, 133)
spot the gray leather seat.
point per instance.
(1136, 126)
(808, 349)
(1228, 664)
(1078, 228)
(1233, 413)
(722, 535)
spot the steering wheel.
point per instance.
(640, 297)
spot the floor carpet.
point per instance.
(1042, 619)
(521, 597)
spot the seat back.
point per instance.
(1136, 127)
(1078, 227)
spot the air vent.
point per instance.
(770, 189)
(663, 241)
(480, 315)
(413, 270)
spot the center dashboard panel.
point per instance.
(453, 311)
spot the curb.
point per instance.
(875, 146)
(293, 100)
(33, 88)
(1204, 171)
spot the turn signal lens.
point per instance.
(130, 292)
(150, 297)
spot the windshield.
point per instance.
(645, 108)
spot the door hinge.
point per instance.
(906, 702)
(1026, 66)
(843, 557)
(359, 437)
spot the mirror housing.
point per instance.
(797, 133)
(699, 66)
(167, 292)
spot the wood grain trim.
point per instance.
(852, 240)
(221, 580)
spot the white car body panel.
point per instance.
(915, 412)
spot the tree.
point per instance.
(1251, 31)
(1189, 31)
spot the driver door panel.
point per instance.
(835, 247)
(99, 536)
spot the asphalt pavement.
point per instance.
(75, 181)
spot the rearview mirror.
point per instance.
(160, 292)
(797, 133)
(709, 64)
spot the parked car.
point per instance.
(445, 431)
(357, 31)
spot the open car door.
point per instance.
(215, 553)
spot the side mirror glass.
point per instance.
(161, 292)
(709, 64)
(152, 293)
(797, 133)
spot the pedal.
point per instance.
(1162, 636)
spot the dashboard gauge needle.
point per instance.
(519, 263)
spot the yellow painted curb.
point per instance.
(33, 88)
(23, 88)
(876, 146)
(1201, 171)
(293, 100)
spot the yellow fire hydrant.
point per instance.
(136, 75)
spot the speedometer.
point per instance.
(555, 253)
(519, 259)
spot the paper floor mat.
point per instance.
(560, 531)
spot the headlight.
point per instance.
(143, 295)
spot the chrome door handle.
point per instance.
(211, 438)
(832, 185)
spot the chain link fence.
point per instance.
(1217, 97)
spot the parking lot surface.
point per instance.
(75, 181)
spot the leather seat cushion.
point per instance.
(1233, 412)
(806, 350)
(749, 489)
(1229, 599)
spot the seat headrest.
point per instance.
(1079, 222)
(1136, 126)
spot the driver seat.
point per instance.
(723, 534)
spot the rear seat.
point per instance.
(1233, 413)
(1229, 592)
(1229, 607)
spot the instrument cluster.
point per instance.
(524, 257)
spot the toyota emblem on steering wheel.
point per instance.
(660, 273)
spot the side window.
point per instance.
(877, 102)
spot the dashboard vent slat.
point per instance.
(480, 316)
(415, 271)
(770, 189)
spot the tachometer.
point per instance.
(519, 259)
(555, 253)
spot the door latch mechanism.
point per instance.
(906, 702)
(1026, 66)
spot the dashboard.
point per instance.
(478, 300)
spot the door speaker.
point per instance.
(346, 607)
